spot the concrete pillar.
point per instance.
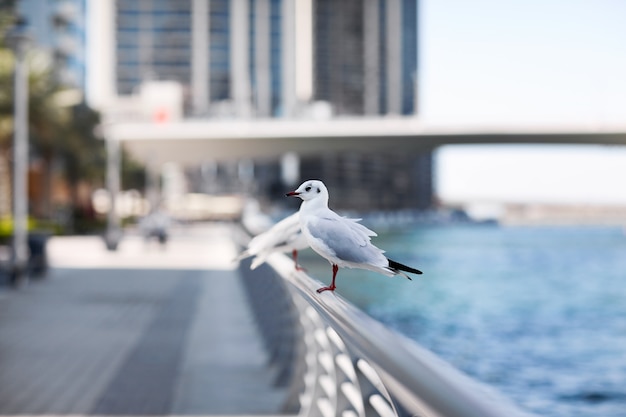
(371, 40)
(303, 50)
(289, 58)
(290, 168)
(101, 58)
(200, 55)
(394, 56)
(153, 184)
(262, 58)
(239, 57)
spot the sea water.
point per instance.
(537, 312)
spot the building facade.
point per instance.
(383, 181)
(225, 54)
(58, 27)
(272, 58)
(366, 56)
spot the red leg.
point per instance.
(294, 255)
(332, 284)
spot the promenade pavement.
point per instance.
(145, 330)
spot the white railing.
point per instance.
(346, 364)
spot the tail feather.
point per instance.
(397, 267)
(258, 260)
(243, 255)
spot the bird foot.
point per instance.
(330, 288)
(299, 268)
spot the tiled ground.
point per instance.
(134, 340)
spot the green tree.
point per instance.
(58, 135)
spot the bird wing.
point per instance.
(358, 226)
(344, 238)
(281, 234)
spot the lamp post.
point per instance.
(18, 38)
(114, 233)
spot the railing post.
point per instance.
(395, 376)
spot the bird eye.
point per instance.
(307, 189)
(318, 190)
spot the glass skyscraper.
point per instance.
(59, 28)
(153, 42)
(226, 54)
(366, 55)
(239, 58)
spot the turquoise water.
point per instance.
(539, 313)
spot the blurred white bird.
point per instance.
(284, 236)
(343, 242)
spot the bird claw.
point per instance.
(321, 290)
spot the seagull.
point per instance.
(284, 236)
(343, 242)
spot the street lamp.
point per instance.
(19, 39)
(114, 233)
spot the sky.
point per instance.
(532, 62)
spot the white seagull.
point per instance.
(284, 236)
(343, 242)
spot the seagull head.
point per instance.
(310, 190)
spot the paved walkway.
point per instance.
(147, 330)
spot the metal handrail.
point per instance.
(356, 367)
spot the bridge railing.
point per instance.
(343, 363)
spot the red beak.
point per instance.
(292, 194)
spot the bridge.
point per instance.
(193, 142)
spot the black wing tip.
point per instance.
(397, 265)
